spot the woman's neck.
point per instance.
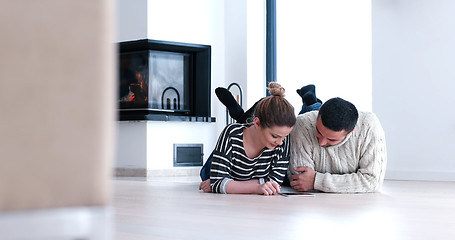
(251, 142)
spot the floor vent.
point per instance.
(188, 155)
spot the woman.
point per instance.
(254, 157)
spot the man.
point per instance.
(337, 149)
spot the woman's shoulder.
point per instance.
(236, 128)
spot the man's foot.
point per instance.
(309, 98)
(307, 88)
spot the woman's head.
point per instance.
(275, 110)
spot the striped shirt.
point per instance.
(230, 161)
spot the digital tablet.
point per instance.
(305, 194)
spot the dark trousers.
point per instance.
(205, 170)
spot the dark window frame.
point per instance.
(270, 50)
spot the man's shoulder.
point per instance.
(308, 116)
(368, 120)
(305, 123)
(367, 114)
(368, 117)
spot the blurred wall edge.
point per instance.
(57, 103)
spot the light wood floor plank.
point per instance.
(172, 209)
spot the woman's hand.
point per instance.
(205, 186)
(269, 188)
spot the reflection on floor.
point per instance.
(174, 208)
(58, 224)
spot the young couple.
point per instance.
(323, 152)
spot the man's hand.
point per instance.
(304, 181)
(205, 186)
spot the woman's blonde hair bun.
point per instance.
(276, 89)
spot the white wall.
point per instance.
(131, 145)
(198, 21)
(220, 24)
(131, 20)
(235, 40)
(413, 86)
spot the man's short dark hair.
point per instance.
(338, 114)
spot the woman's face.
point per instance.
(274, 136)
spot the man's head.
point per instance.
(336, 119)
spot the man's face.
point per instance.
(327, 137)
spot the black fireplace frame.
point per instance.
(200, 78)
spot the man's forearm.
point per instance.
(347, 183)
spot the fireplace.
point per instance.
(164, 81)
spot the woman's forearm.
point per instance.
(250, 186)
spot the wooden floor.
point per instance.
(176, 209)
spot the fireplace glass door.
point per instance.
(164, 81)
(155, 81)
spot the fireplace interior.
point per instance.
(164, 81)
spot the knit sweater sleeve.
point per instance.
(366, 153)
(302, 143)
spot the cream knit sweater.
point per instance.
(355, 165)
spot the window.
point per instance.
(325, 43)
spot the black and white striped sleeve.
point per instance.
(221, 162)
